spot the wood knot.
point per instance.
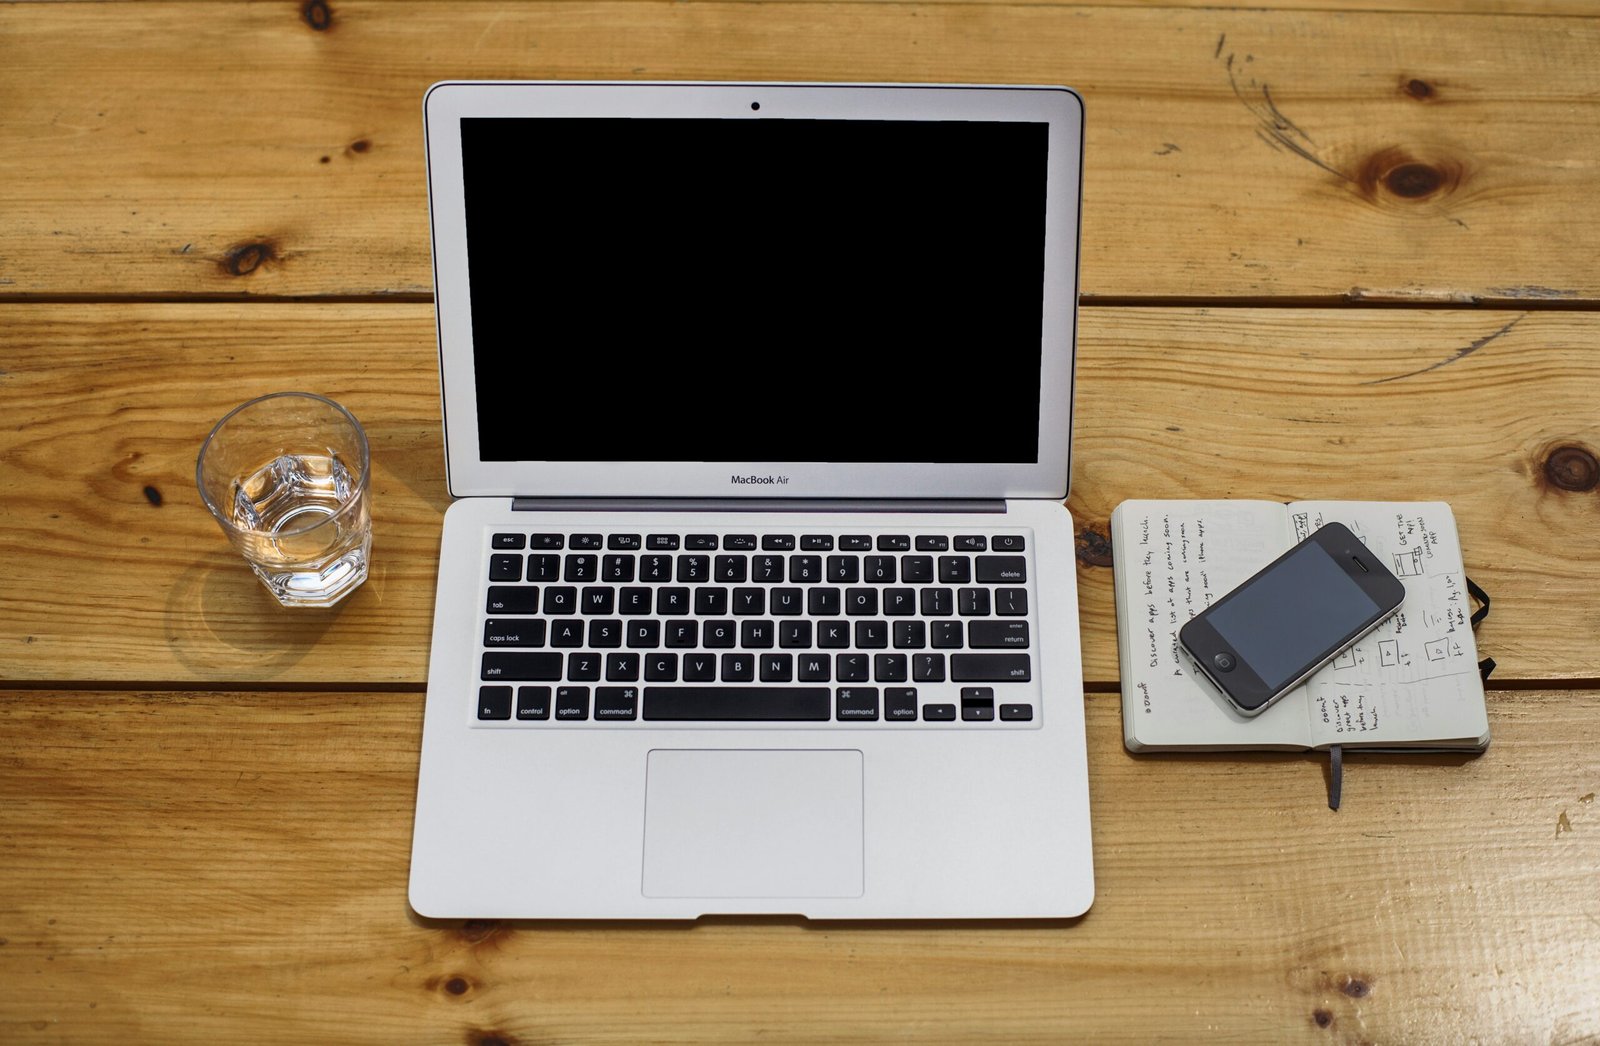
(457, 986)
(480, 931)
(1421, 90)
(1322, 1018)
(317, 14)
(248, 257)
(1356, 987)
(152, 495)
(360, 145)
(1397, 174)
(1572, 468)
(1093, 548)
(489, 1038)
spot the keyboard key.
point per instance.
(505, 567)
(544, 567)
(971, 543)
(682, 634)
(642, 635)
(739, 542)
(850, 668)
(955, 570)
(910, 635)
(729, 570)
(622, 668)
(894, 542)
(586, 541)
(582, 667)
(598, 600)
(710, 602)
(633, 602)
(855, 543)
(1008, 542)
(777, 668)
(977, 704)
(777, 542)
(533, 702)
(795, 635)
(833, 635)
(699, 668)
(738, 668)
(990, 635)
(521, 667)
(559, 600)
(719, 634)
(660, 668)
(932, 543)
(1001, 570)
(947, 635)
(824, 602)
(605, 633)
(990, 668)
(889, 668)
(748, 601)
(617, 568)
(817, 542)
(1016, 713)
(694, 569)
(572, 702)
(672, 602)
(788, 602)
(737, 704)
(767, 569)
(1011, 602)
(813, 668)
(938, 713)
(805, 569)
(916, 570)
(513, 600)
(662, 542)
(937, 602)
(616, 702)
(856, 703)
(508, 541)
(872, 635)
(655, 568)
(900, 704)
(899, 602)
(973, 602)
(706, 542)
(757, 635)
(927, 668)
(844, 570)
(878, 570)
(567, 632)
(581, 567)
(494, 702)
(512, 632)
(624, 543)
(547, 541)
(860, 601)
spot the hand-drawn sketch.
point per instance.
(1408, 564)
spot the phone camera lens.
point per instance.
(1223, 660)
(755, 105)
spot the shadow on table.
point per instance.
(222, 624)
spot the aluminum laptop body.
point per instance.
(755, 330)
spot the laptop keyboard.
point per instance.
(754, 628)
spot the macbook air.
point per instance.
(757, 594)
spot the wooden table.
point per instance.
(1326, 254)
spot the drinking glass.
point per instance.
(285, 475)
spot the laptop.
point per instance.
(758, 594)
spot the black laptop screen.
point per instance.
(755, 290)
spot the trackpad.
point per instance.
(753, 823)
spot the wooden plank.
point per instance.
(224, 149)
(106, 406)
(232, 867)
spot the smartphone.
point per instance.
(1309, 605)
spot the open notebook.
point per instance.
(1412, 684)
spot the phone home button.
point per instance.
(1223, 660)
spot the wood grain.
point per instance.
(163, 150)
(115, 573)
(232, 867)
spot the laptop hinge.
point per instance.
(810, 505)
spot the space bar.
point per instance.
(737, 703)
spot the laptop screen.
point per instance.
(781, 290)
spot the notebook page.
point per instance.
(1414, 679)
(1173, 559)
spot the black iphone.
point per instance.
(1306, 607)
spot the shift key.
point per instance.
(527, 667)
(990, 668)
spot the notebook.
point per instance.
(758, 594)
(1412, 684)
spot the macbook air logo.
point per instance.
(754, 480)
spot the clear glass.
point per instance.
(285, 476)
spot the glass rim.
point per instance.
(355, 497)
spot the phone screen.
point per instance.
(1274, 627)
